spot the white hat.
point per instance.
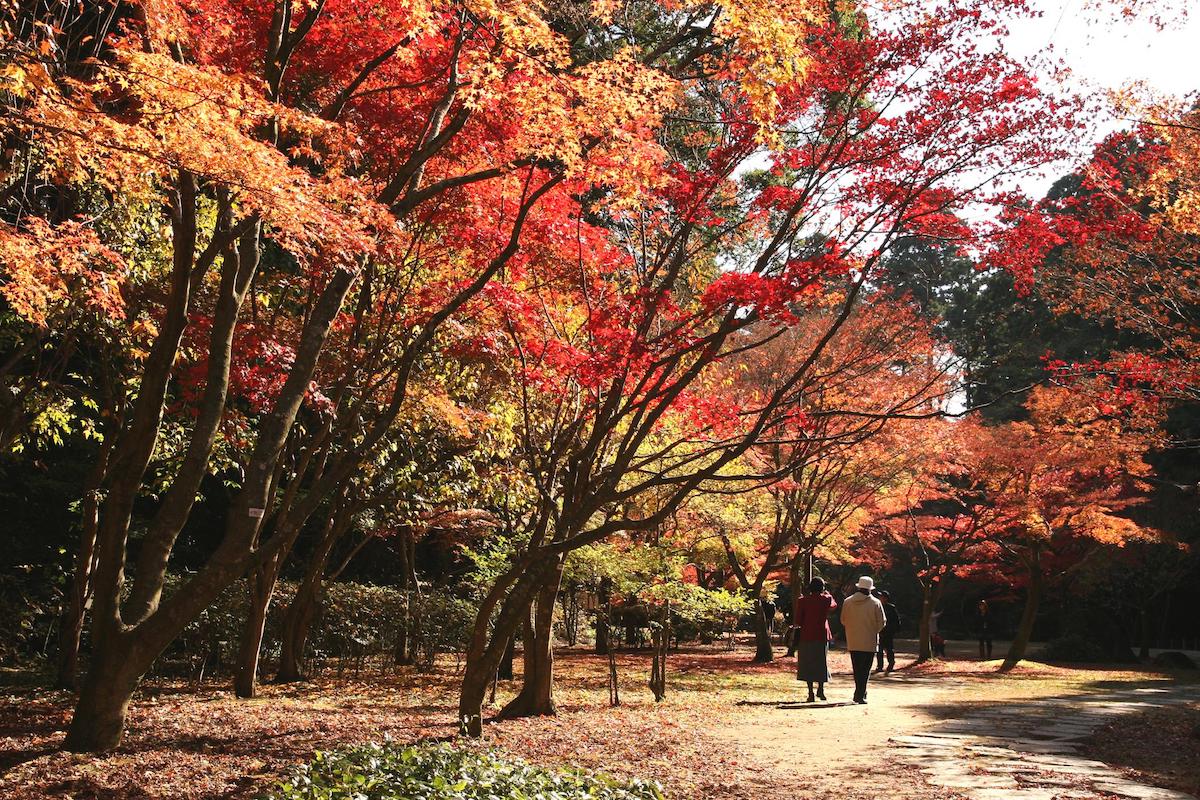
(866, 583)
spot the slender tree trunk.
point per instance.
(614, 690)
(570, 604)
(297, 624)
(1033, 597)
(505, 671)
(261, 590)
(300, 612)
(1144, 633)
(798, 563)
(71, 630)
(763, 650)
(658, 667)
(536, 697)
(408, 584)
(930, 595)
(603, 617)
(924, 646)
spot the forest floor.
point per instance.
(728, 729)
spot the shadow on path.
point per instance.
(1030, 750)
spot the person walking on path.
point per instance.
(985, 631)
(863, 619)
(887, 636)
(810, 632)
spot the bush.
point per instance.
(1074, 649)
(1173, 659)
(391, 771)
(442, 623)
(354, 621)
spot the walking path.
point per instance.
(1030, 751)
(916, 740)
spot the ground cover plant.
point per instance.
(389, 771)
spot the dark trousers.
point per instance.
(887, 646)
(861, 661)
(985, 645)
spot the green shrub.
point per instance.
(1073, 649)
(390, 771)
(353, 620)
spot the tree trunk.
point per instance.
(403, 655)
(71, 630)
(505, 671)
(70, 634)
(1033, 597)
(261, 590)
(570, 604)
(930, 595)
(658, 667)
(536, 698)
(300, 612)
(614, 690)
(297, 623)
(99, 719)
(763, 650)
(924, 646)
(487, 645)
(800, 562)
(603, 619)
(1144, 634)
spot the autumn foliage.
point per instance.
(537, 278)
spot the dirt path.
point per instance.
(839, 748)
(928, 736)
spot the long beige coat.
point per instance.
(863, 619)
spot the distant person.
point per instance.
(863, 619)
(887, 636)
(985, 630)
(936, 641)
(810, 632)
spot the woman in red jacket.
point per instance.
(810, 621)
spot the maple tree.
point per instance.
(1116, 242)
(938, 517)
(274, 212)
(1078, 465)
(1027, 500)
(826, 468)
(298, 234)
(622, 418)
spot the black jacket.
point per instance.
(892, 615)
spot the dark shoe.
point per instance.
(820, 695)
(862, 701)
(811, 699)
(888, 671)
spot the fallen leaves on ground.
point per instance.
(187, 741)
(1160, 746)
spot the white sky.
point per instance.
(1104, 51)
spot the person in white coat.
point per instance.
(863, 619)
